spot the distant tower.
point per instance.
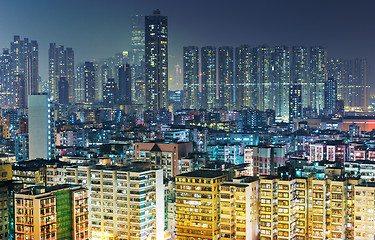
(25, 63)
(330, 95)
(138, 39)
(156, 59)
(318, 77)
(281, 82)
(61, 65)
(245, 88)
(191, 77)
(299, 73)
(89, 81)
(41, 127)
(63, 91)
(208, 69)
(125, 85)
(263, 77)
(110, 93)
(226, 95)
(7, 97)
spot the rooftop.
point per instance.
(203, 174)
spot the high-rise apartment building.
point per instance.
(318, 77)
(25, 63)
(58, 212)
(198, 205)
(208, 78)
(41, 127)
(156, 59)
(7, 87)
(239, 209)
(88, 76)
(281, 82)
(245, 88)
(357, 81)
(330, 95)
(226, 78)
(191, 77)
(125, 85)
(61, 66)
(299, 73)
(110, 93)
(126, 203)
(263, 73)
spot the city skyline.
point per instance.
(108, 27)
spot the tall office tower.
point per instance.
(191, 78)
(61, 65)
(110, 93)
(89, 82)
(125, 84)
(336, 69)
(138, 40)
(63, 91)
(299, 73)
(7, 85)
(318, 77)
(79, 85)
(239, 208)
(330, 95)
(225, 78)
(138, 56)
(281, 82)
(198, 205)
(295, 102)
(208, 78)
(140, 91)
(127, 203)
(264, 77)
(25, 62)
(41, 127)
(58, 212)
(104, 73)
(156, 59)
(357, 81)
(245, 88)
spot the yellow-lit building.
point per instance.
(239, 209)
(198, 205)
(5, 171)
(268, 208)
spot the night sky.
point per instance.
(98, 29)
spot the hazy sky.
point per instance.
(99, 29)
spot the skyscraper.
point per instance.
(156, 59)
(299, 74)
(191, 77)
(357, 71)
(89, 81)
(208, 78)
(245, 88)
(281, 82)
(330, 95)
(110, 93)
(79, 85)
(264, 78)
(7, 97)
(318, 77)
(138, 40)
(61, 65)
(25, 63)
(41, 127)
(125, 84)
(226, 95)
